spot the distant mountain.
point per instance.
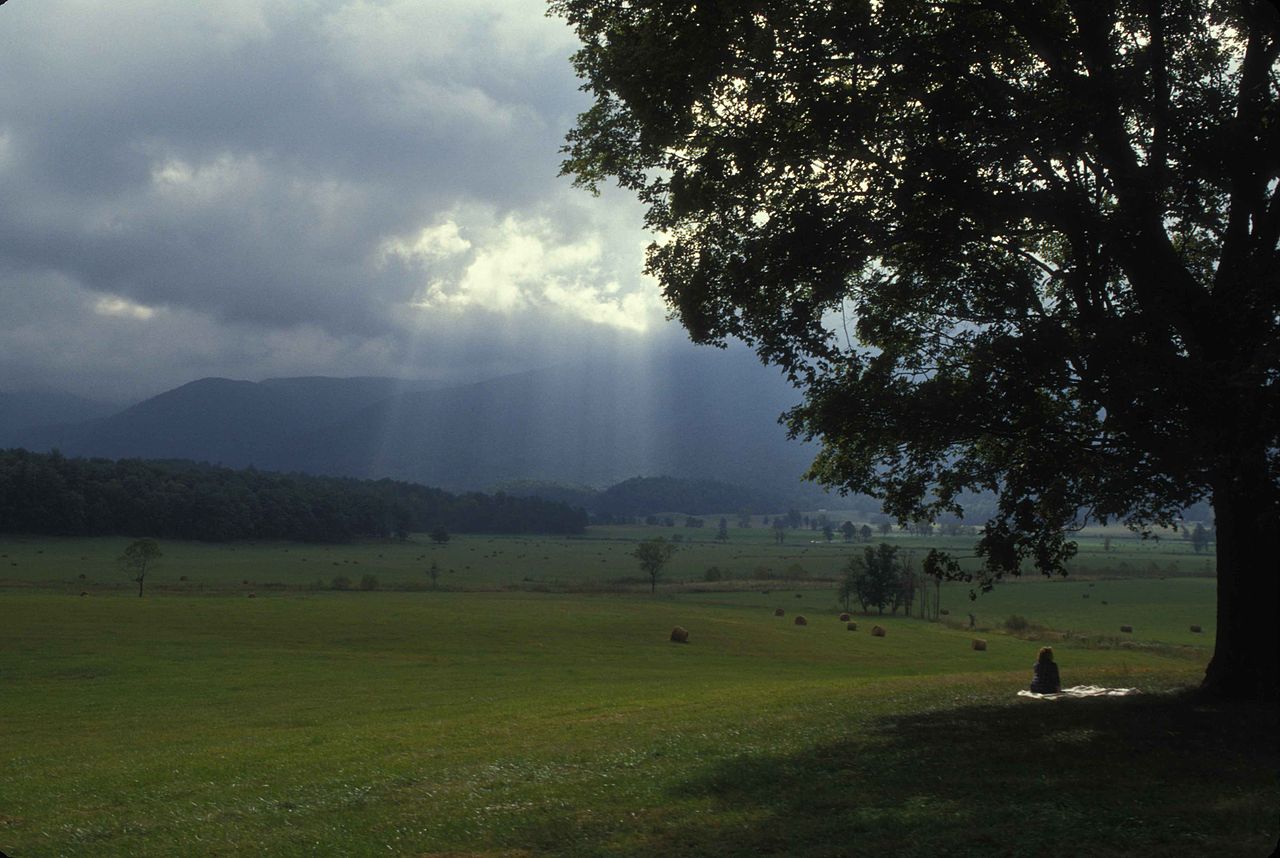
(706, 416)
(44, 419)
(233, 423)
(595, 424)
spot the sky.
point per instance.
(266, 188)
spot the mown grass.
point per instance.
(518, 723)
(487, 719)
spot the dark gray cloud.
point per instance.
(261, 187)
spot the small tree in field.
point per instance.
(1199, 538)
(138, 557)
(722, 534)
(653, 554)
(433, 572)
(439, 535)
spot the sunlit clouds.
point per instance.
(520, 265)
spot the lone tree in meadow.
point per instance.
(722, 532)
(1199, 538)
(1021, 247)
(653, 554)
(439, 535)
(137, 559)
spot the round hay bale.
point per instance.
(680, 635)
(1127, 629)
(778, 612)
(853, 627)
(801, 621)
(253, 595)
(877, 631)
(979, 644)
(844, 618)
(1196, 629)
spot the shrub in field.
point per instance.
(369, 582)
(340, 582)
(713, 573)
(1017, 623)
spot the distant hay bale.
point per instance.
(801, 621)
(877, 631)
(83, 593)
(799, 595)
(1127, 629)
(844, 618)
(1196, 629)
(778, 612)
(853, 627)
(680, 635)
(253, 595)
(979, 644)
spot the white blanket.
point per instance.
(1081, 691)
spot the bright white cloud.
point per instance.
(110, 305)
(434, 242)
(520, 265)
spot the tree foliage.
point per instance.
(875, 578)
(137, 559)
(653, 554)
(1029, 248)
(59, 496)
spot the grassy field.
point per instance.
(599, 560)
(489, 722)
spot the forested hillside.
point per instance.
(55, 495)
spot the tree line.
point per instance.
(50, 494)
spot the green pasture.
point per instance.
(248, 710)
(599, 560)
(477, 723)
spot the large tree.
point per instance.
(1026, 247)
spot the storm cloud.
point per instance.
(274, 187)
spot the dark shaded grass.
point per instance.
(1156, 774)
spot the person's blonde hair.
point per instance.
(1046, 654)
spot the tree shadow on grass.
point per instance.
(1144, 775)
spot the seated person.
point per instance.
(1044, 674)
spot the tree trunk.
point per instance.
(1247, 515)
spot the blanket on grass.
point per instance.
(1081, 691)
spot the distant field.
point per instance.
(493, 721)
(599, 560)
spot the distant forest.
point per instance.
(50, 494)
